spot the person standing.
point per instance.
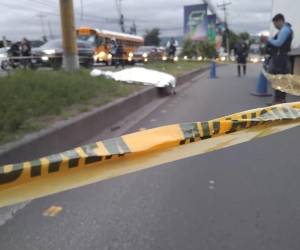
(172, 47)
(25, 52)
(120, 54)
(241, 51)
(279, 47)
(117, 53)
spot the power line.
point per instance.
(15, 8)
(81, 5)
(43, 3)
(42, 16)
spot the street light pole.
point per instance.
(70, 59)
(41, 16)
(224, 8)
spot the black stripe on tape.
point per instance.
(253, 118)
(73, 157)
(36, 168)
(238, 124)
(217, 127)
(92, 157)
(11, 176)
(206, 130)
(55, 162)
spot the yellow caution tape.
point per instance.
(129, 153)
(285, 83)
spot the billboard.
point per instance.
(220, 29)
(212, 28)
(196, 22)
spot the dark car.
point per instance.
(51, 54)
(147, 53)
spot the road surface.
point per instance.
(244, 197)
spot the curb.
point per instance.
(75, 131)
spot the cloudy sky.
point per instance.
(32, 18)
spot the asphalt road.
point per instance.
(241, 198)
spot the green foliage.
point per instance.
(26, 96)
(233, 39)
(198, 48)
(245, 36)
(152, 37)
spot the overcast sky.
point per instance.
(25, 17)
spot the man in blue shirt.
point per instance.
(280, 45)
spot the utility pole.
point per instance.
(81, 10)
(50, 30)
(42, 16)
(223, 7)
(4, 42)
(133, 28)
(121, 15)
(70, 60)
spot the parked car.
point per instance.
(3, 57)
(51, 54)
(147, 53)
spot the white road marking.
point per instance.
(7, 213)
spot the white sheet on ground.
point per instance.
(139, 75)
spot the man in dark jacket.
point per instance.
(26, 52)
(279, 46)
(120, 54)
(241, 52)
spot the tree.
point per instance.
(152, 37)
(192, 48)
(233, 39)
(245, 36)
(189, 48)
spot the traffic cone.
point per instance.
(261, 86)
(213, 70)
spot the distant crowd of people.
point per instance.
(19, 53)
(117, 51)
